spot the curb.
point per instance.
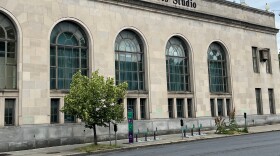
(165, 143)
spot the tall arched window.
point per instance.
(68, 54)
(177, 65)
(8, 54)
(129, 60)
(217, 67)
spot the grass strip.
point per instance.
(99, 147)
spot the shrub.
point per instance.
(232, 122)
(231, 128)
(220, 124)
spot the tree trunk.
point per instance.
(110, 133)
(94, 134)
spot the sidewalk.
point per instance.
(163, 139)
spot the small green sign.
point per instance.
(130, 125)
(130, 115)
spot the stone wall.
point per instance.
(39, 136)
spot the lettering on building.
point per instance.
(186, 3)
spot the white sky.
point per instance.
(274, 7)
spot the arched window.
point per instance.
(68, 54)
(177, 65)
(217, 67)
(8, 54)
(129, 60)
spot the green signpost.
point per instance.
(130, 125)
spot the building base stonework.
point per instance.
(39, 136)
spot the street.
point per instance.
(262, 144)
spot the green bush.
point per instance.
(220, 124)
(231, 128)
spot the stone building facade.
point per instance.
(191, 59)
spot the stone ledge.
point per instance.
(158, 8)
(237, 5)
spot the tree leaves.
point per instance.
(95, 100)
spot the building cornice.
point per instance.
(195, 15)
(242, 7)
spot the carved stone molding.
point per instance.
(192, 14)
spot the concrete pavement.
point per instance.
(163, 139)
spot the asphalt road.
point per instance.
(262, 144)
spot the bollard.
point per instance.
(146, 137)
(115, 130)
(34, 141)
(182, 125)
(192, 129)
(147, 133)
(245, 117)
(186, 129)
(199, 130)
(139, 133)
(155, 136)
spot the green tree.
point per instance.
(94, 100)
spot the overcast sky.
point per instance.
(274, 7)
